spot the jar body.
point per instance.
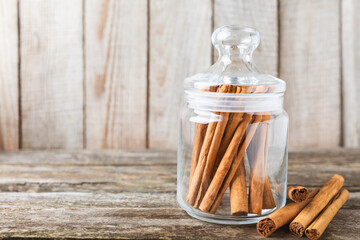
(232, 166)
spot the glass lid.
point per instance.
(235, 65)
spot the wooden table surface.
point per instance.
(132, 194)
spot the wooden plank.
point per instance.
(120, 194)
(88, 215)
(147, 172)
(51, 73)
(9, 99)
(350, 72)
(310, 64)
(116, 73)
(259, 14)
(179, 47)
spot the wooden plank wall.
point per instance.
(108, 74)
(310, 62)
(9, 66)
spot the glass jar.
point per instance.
(233, 136)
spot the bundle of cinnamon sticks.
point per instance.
(310, 216)
(218, 161)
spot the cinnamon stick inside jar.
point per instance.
(214, 148)
(207, 146)
(225, 164)
(198, 141)
(238, 195)
(260, 194)
(234, 120)
(279, 218)
(297, 193)
(308, 214)
(317, 228)
(238, 190)
(268, 198)
(200, 131)
(218, 187)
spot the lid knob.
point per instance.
(233, 37)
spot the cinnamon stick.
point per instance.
(234, 120)
(213, 203)
(226, 164)
(308, 214)
(214, 148)
(238, 195)
(317, 228)
(200, 131)
(279, 218)
(198, 142)
(238, 191)
(257, 172)
(205, 149)
(268, 198)
(214, 198)
(297, 193)
(257, 155)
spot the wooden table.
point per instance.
(124, 194)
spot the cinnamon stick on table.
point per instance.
(279, 218)
(297, 193)
(317, 228)
(205, 151)
(308, 214)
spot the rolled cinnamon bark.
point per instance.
(257, 155)
(214, 199)
(317, 228)
(268, 198)
(257, 171)
(297, 193)
(234, 120)
(238, 195)
(308, 214)
(200, 132)
(279, 218)
(213, 203)
(214, 149)
(198, 141)
(199, 170)
(226, 164)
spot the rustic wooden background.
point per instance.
(108, 74)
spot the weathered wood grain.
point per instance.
(131, 171)
(88, 215)
(116, 72)
(121, 194)
(310, 64)
(259, 14)
(180, 46)
(9, 99)
(350, 33)
(51, 74)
